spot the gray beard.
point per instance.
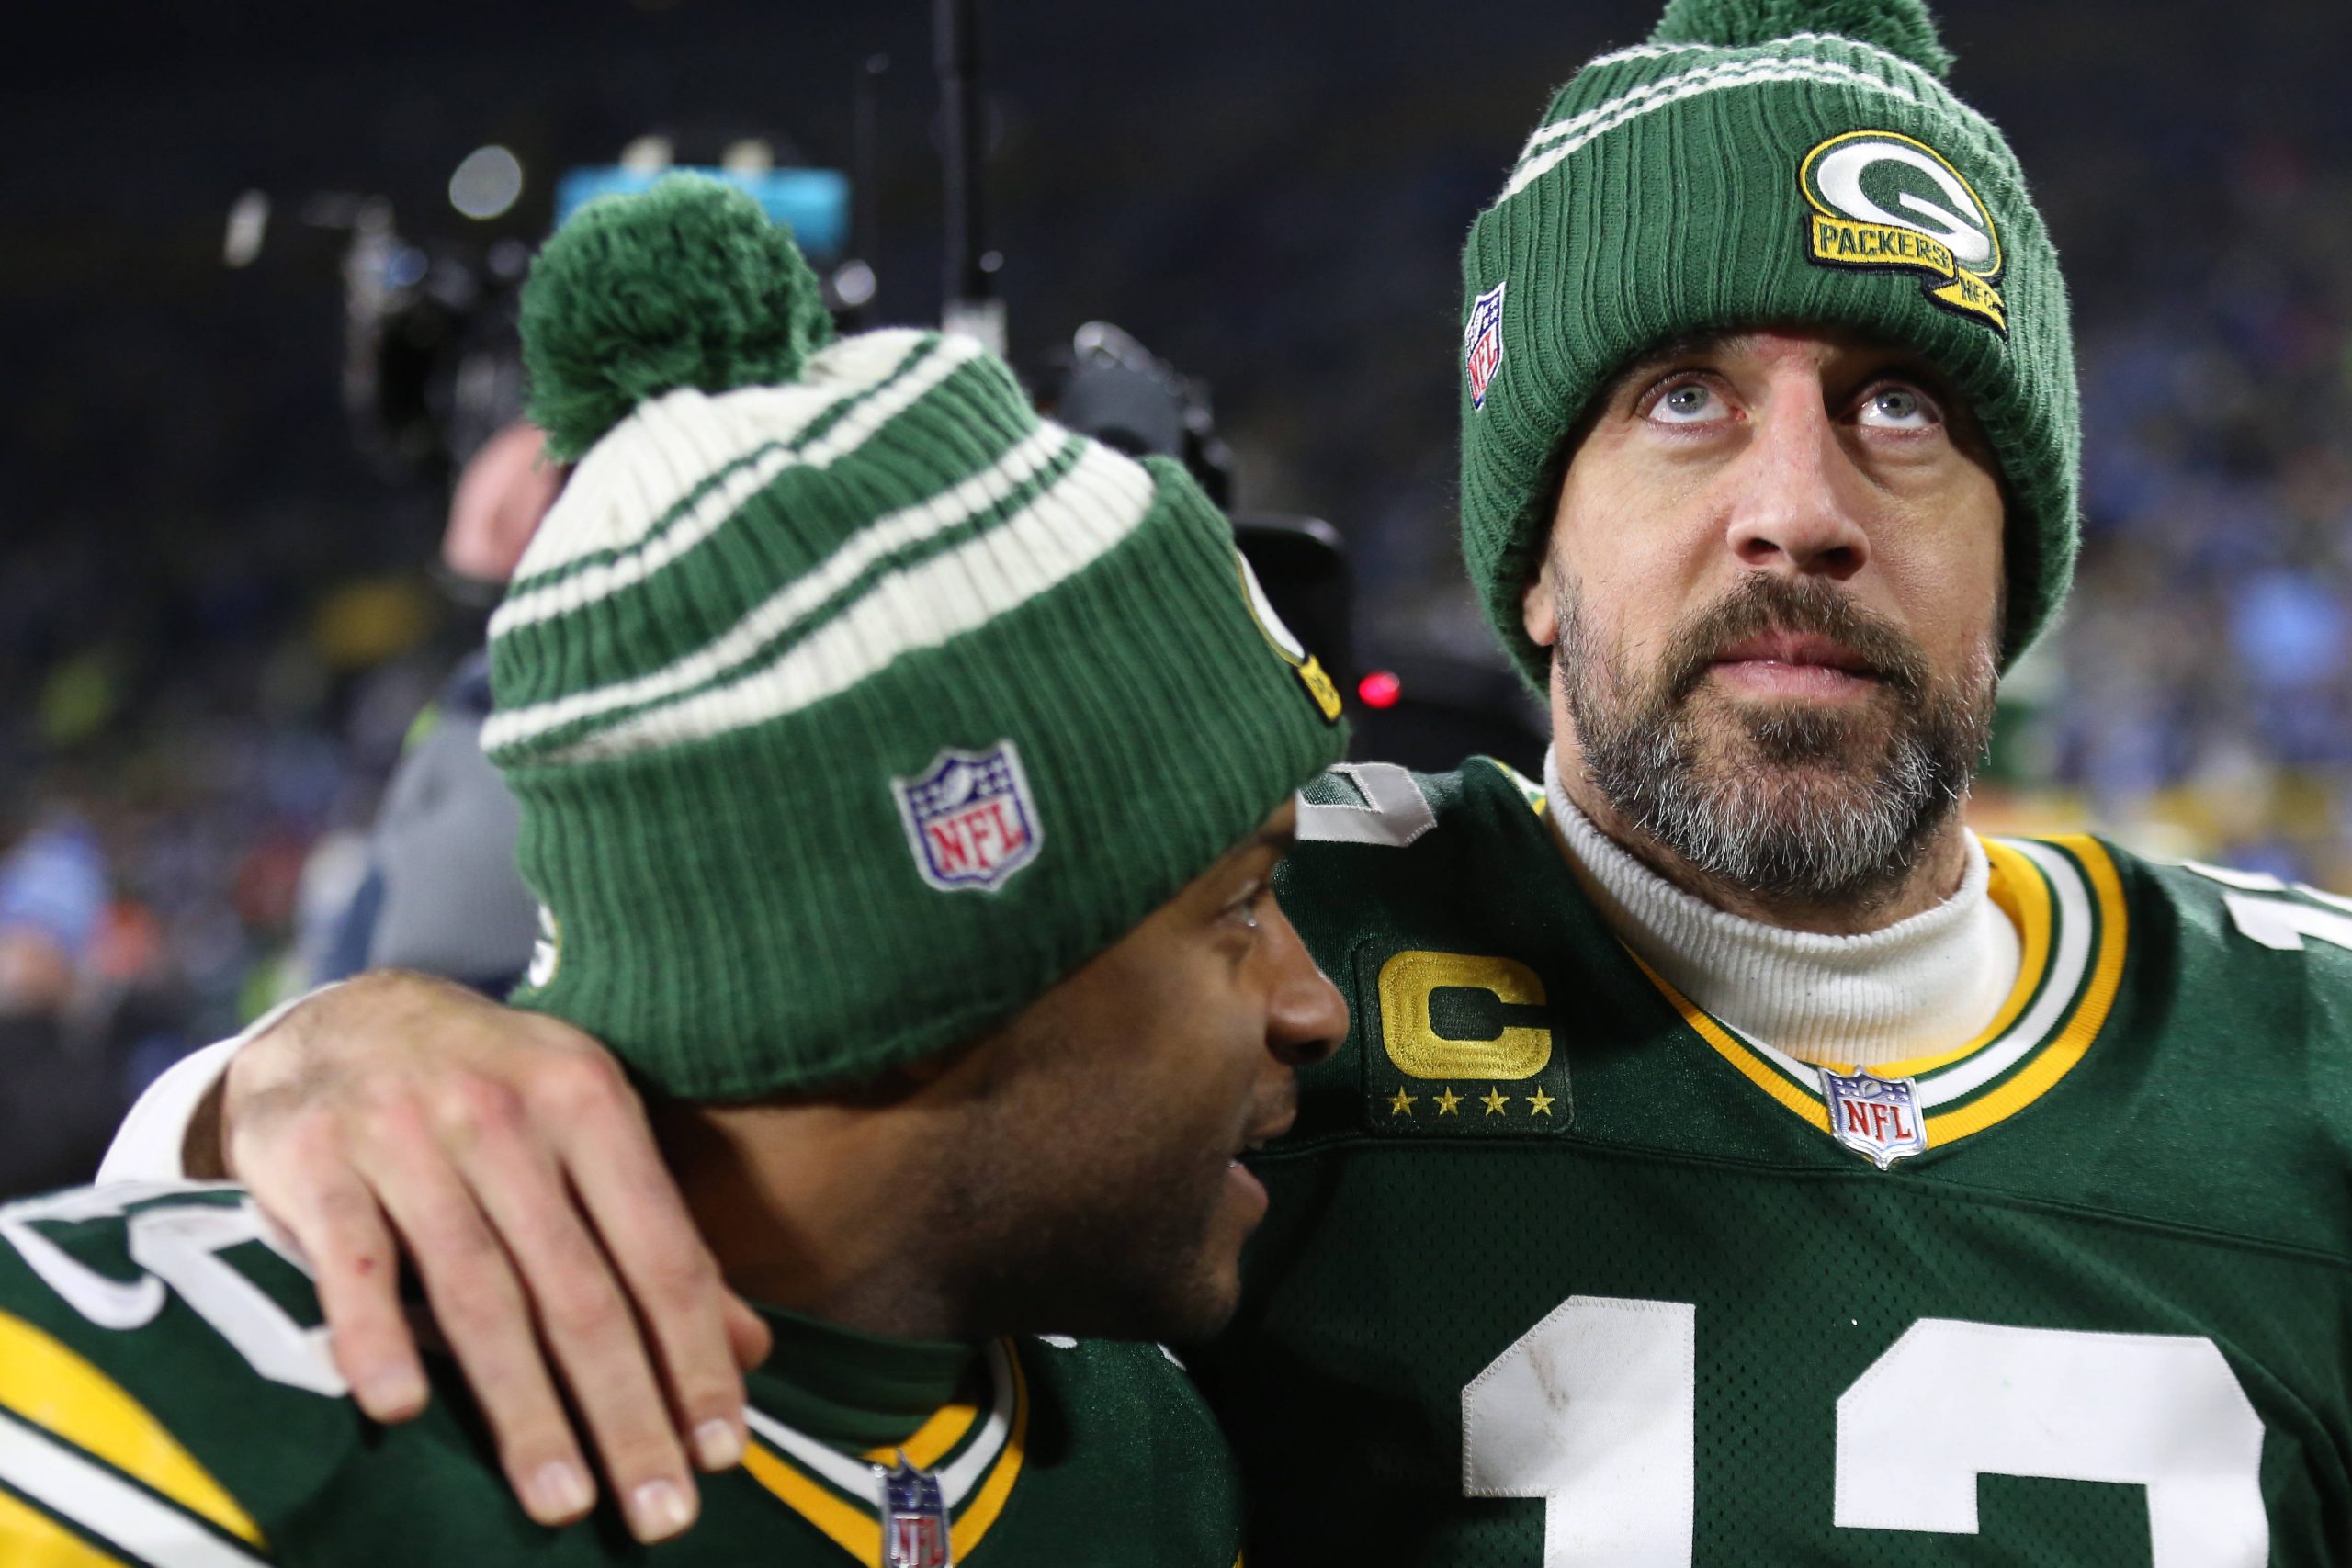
(1784, 804)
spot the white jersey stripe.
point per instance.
(150, 1529)
(2072, 917)
(844, 1471)
(849, 1474)
(1081, 517)
(965, 1471)
(2069, 962)
(1395, 813)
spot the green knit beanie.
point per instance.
(1763, 161)
(850, 712)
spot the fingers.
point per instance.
(584, 1320)
(481, 1310)
(746, 1335)
(396, 1109)
(673, 1281)
(352, 1258)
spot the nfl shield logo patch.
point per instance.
(914, 1517)
(970, 818)
(1878, 1117)
(1482, 342)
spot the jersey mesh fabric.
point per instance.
(2186, 1179)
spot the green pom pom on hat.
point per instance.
(1899, 26)
(687, 284)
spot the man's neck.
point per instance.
(805, 1209)
(1921, 985)
(1932, 877)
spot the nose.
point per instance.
(1307, 1018)
(1796, 510)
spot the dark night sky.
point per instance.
(1269, 192)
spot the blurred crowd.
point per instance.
(184, 805)
(2201, 696)
(205, 696)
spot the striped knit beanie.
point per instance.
(1763, 161)
(850, 704)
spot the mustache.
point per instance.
(1808, 608)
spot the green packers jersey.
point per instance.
(1561, 1270)
(167, 1399)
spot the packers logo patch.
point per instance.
(1882, 201)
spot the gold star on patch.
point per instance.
(1447, 1101)
(1401, 1104)
(1539, 1103)
(1494, 1101)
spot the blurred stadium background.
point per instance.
(219, 616)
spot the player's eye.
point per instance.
(1243, 910)
(1898, 406)
(1687, 402)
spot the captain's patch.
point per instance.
(1462, 1046)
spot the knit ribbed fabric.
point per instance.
(1712, 181)
(1927, 984)
(846, 716)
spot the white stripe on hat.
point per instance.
(1660, 50)
(1598, 120)
(652, 460)
(799, 599)
(715, 506)
(1075, 522)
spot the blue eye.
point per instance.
(1897, 408)
(1689, 403)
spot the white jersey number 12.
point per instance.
(1594, 1411)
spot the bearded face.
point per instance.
(1793, 800)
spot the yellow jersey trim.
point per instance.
(56, 1390)
(945, 1429)
(2019, 892)
(964, 1532)
(31, 1539)
(2023, 892)
(1531, 792)
(2073, 1040)
(1751, 1065)
(858, 1531)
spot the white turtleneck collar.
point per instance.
(1923, 984)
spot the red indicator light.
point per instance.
(1380, 689)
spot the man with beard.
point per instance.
(1734, 1159)
(922, 885)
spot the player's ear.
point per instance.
(1538, 607)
